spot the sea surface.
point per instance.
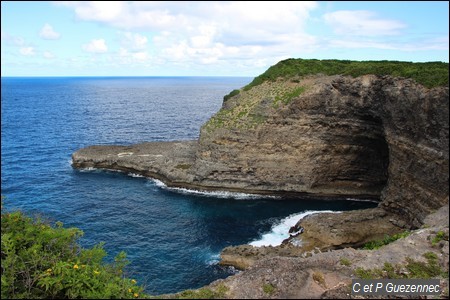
(172, 237)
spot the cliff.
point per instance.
(336, 135)
(326, 135)
(320, 128)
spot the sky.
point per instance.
(212, 38)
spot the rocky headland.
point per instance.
(317, 134)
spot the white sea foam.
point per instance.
(88, 169)
(215, 194)
(362, 200)
(135, 175)
(280, 230)
(213, 259)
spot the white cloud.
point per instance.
(205, 32)
(96, 10)
(12, 40)
(48, 33)
(48, 55)
(362, 23)
(27, 51)
(133, 41)
(96, 46)
(423, 45)
(140, 56)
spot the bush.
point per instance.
(231, 94)
(387, 240)
(429, 74)
(415, 269)
(44, 261)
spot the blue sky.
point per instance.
(84, 38)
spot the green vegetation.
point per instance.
(372, 245)
(183, 166)
(430, 74)
(319, 278)
(231, 94)
(268, 289)
(203, 293)
(441, 235)
(345, 262)
(287, 97)
(44, 261)
(413, 269)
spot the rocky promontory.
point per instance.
(371, 136)
(338, 130)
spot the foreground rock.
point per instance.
(322, 232)
(329, 274)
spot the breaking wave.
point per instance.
(280, 230)
(215, 194)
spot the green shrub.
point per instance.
(345, 262)
(268, 289)
(203, 293)
(319, 278)
(231, 94)
(441, 235)
(430, 74)
(372, 245)
(44, 261)
(415, 269)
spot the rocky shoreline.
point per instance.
(171, 163)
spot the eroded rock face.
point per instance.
(369, 136)
(340, 136)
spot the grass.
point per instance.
(373, 245)
(183, 166)
(440, 236)
(429, 74)
(203, 293)
(231, 94)
(414, 269)
(268, 289)
(345, 262)
(319, 278)
(288, 96)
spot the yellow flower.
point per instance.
(133, 281)
(49, 270)
(136, 295)
(75, 266)
(130, 291)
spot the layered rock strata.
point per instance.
(320, 135)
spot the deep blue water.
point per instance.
(172, 238)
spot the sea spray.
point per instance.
(280, 230)
(214, 194)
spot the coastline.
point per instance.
(171, 162)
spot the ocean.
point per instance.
(172, 237)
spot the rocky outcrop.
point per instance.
(322, 232)
(320, 135)
(329, 274)
(334, 135)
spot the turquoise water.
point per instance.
(172, 237)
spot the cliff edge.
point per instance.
(292, 133)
